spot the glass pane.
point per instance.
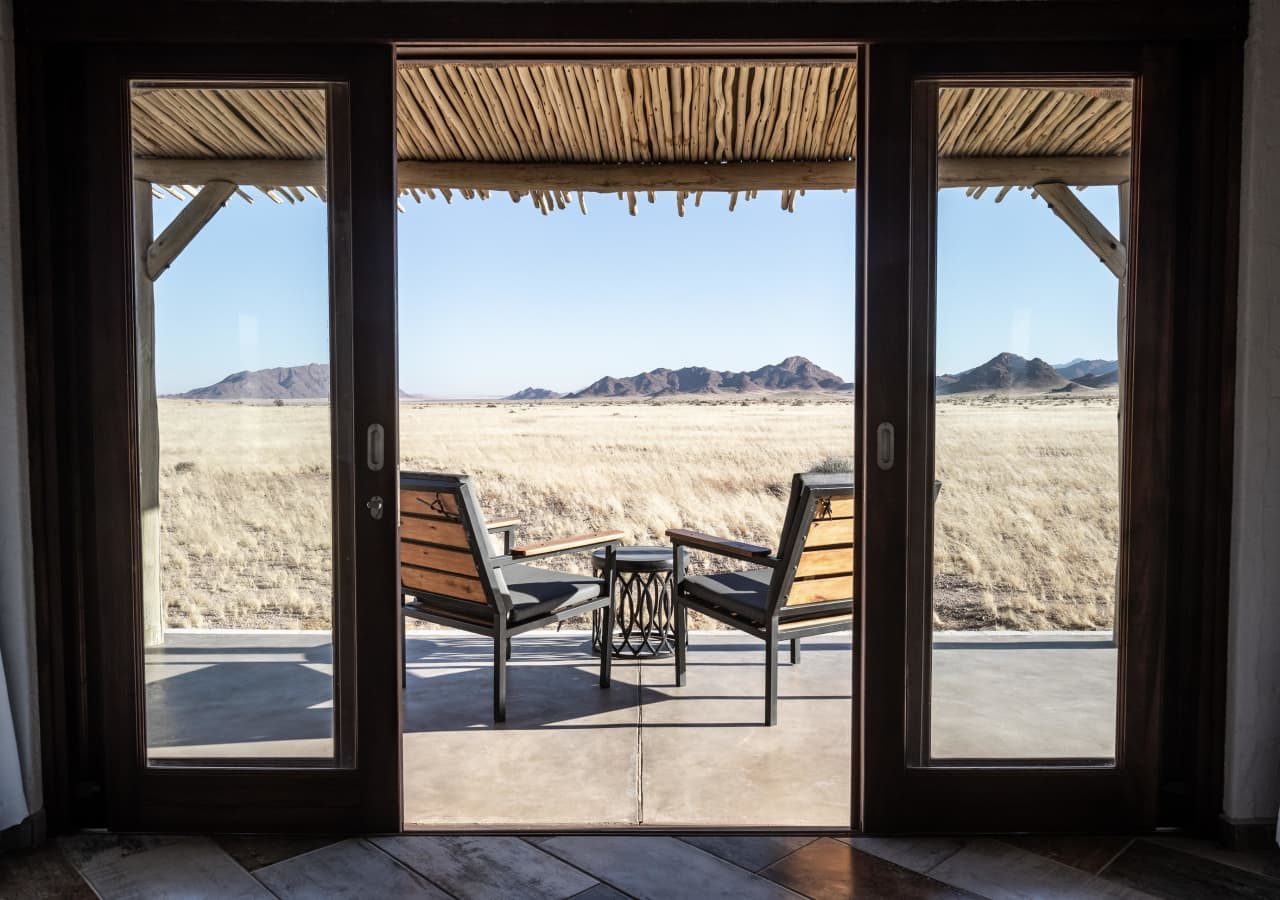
(1028, 360)
(232, 299)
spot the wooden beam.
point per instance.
(608, 178)
(144, 302)
(1122, 359)
(1001, 171)
(186, 225)
(1067, 207)
(269, 172)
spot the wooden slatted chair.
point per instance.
(806, 589)
(450, 574)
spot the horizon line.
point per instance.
(471, 395)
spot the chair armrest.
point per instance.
(681, 537)
(567, 544)
(506, 528)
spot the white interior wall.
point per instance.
(19, 745)
(1252, 791)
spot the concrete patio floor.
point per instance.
(642, 753)
(1018, 695)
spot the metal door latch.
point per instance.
(375, 507)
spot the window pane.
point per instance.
(1027, 428)
(235, 427)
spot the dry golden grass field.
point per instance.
(1027, 518)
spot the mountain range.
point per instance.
(1009, 372)
(1006, 372)
(1086, 368)
(533, 393)
(795, 373)
(309, 382)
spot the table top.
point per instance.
(638, 559)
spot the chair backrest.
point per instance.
(444, 544)
(816, 550)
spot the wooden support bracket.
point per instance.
(186, 225)
(1067, 207)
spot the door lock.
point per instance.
(375, 507)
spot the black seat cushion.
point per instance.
(746, 594)
(463, 611)
(538, 592)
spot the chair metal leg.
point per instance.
(795, 651)
(500, 642)
(771, 676)
(508, 649)
(681, 612)
(682, 641)
(606, 646)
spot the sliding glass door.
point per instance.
(1016, 425)
(1015, 481)
(242, 327)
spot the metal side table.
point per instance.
(642, 602)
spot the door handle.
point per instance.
(374, 505)
(374, 441)
(884, 446)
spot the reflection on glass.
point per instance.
(1027, 413)
(234, 416)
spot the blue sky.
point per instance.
(495, 296)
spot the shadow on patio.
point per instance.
(643, 752)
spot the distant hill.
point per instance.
(309, 382)
(1100, 379)
(1004, 372)
(795, 373)
(1078, 369)
(533, 393)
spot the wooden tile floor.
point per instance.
(653, 867)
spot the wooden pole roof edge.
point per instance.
(575, 51)
(622, 62)
(611, 178)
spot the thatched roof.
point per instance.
(546, 129)
(628, 112)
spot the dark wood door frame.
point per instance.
(1160, 529)
(676, 26)
(1204, 40)
(365, 792)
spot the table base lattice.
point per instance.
(643, 621)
